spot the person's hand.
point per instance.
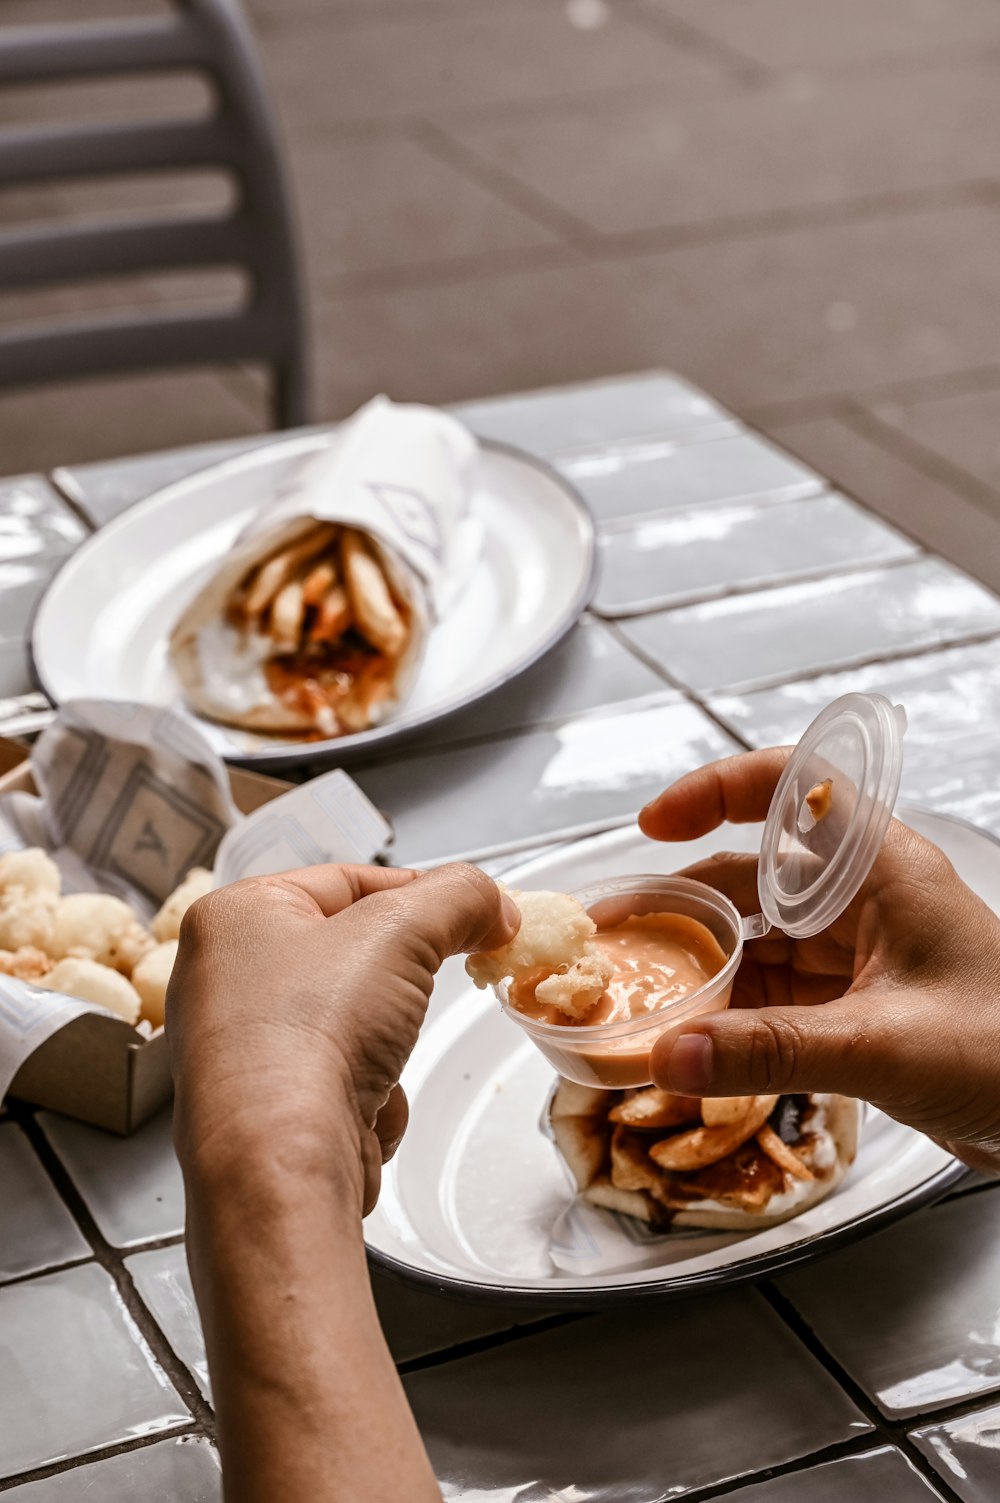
(295, 1001)
(897, 1002)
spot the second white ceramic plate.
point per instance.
(102, 628)
(478, 1203)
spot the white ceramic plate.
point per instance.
(477, 1202)
(102, 627)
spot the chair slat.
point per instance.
(110, 347)
(78, 252)
(51, 152)
(47, 54)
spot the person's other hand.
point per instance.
(897, 1002)
(295, 1001)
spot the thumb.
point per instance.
(453, 909)
(759, 1051)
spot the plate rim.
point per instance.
(350, 748)
(679, 1286)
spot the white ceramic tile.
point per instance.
(164, 1283)
(913, 1313)
(966, 1453)
(559, 418)
(712, 551)
(182, 1470)
(418, 1321)
(74, 1372)
(750, 641)
(132, 1186)
(36, 1230)
(952, 702)
(883, 1476)
(587, 775)
(637, 479)
(629, 1407)
(590, 670)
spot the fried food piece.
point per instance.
(288, 614)
(819, 800)
(27, 963)
(631, 1166)
(652, 1108)
(718, 1111)
(555, 930)
(375, 611)
(333, 616)
(321, 577)
(707, 1145)
(272, 576)
(96, 926)
(91, 982)
(151, 978)
(574, 991)
(782, 1153)
(167, 923)
(26, 918)
(29, 871)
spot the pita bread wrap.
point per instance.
(737, 1164)
(317, 621)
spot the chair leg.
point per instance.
(290, 396)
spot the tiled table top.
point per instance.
(738, 594)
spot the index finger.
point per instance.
(737, 789)
(334, 888)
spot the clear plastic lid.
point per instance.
(830, 812)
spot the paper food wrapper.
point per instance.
(130, 798)
(402, 475)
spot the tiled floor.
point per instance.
(794, 204)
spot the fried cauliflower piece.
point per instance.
(26, 964)
(150, 979)
(574, 991)
(96, 926)
(555, 935)
(26, 918)
(554, 932)
(167, 923)
(30, 871)
(90, 982)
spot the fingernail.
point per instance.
(511, 912)
(689, 1065)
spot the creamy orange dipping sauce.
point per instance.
(658, 958)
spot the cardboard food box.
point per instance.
(98, 1068)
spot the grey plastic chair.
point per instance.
(211, 37)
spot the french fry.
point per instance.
(281, 567)
(319, 579)
(782, 1153)
(717, 1111)
(652, 1108)
(371, 599)
(630, 1165)
(333, 617)
(707, 1145)
(287, 617)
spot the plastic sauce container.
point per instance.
(823, 831)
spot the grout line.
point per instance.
(854, 1445)
(111, 1260)
(488, 1343)
(689, 694)
(894, 1431)
(101, 1453)
(505, 185)
(72, 502)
